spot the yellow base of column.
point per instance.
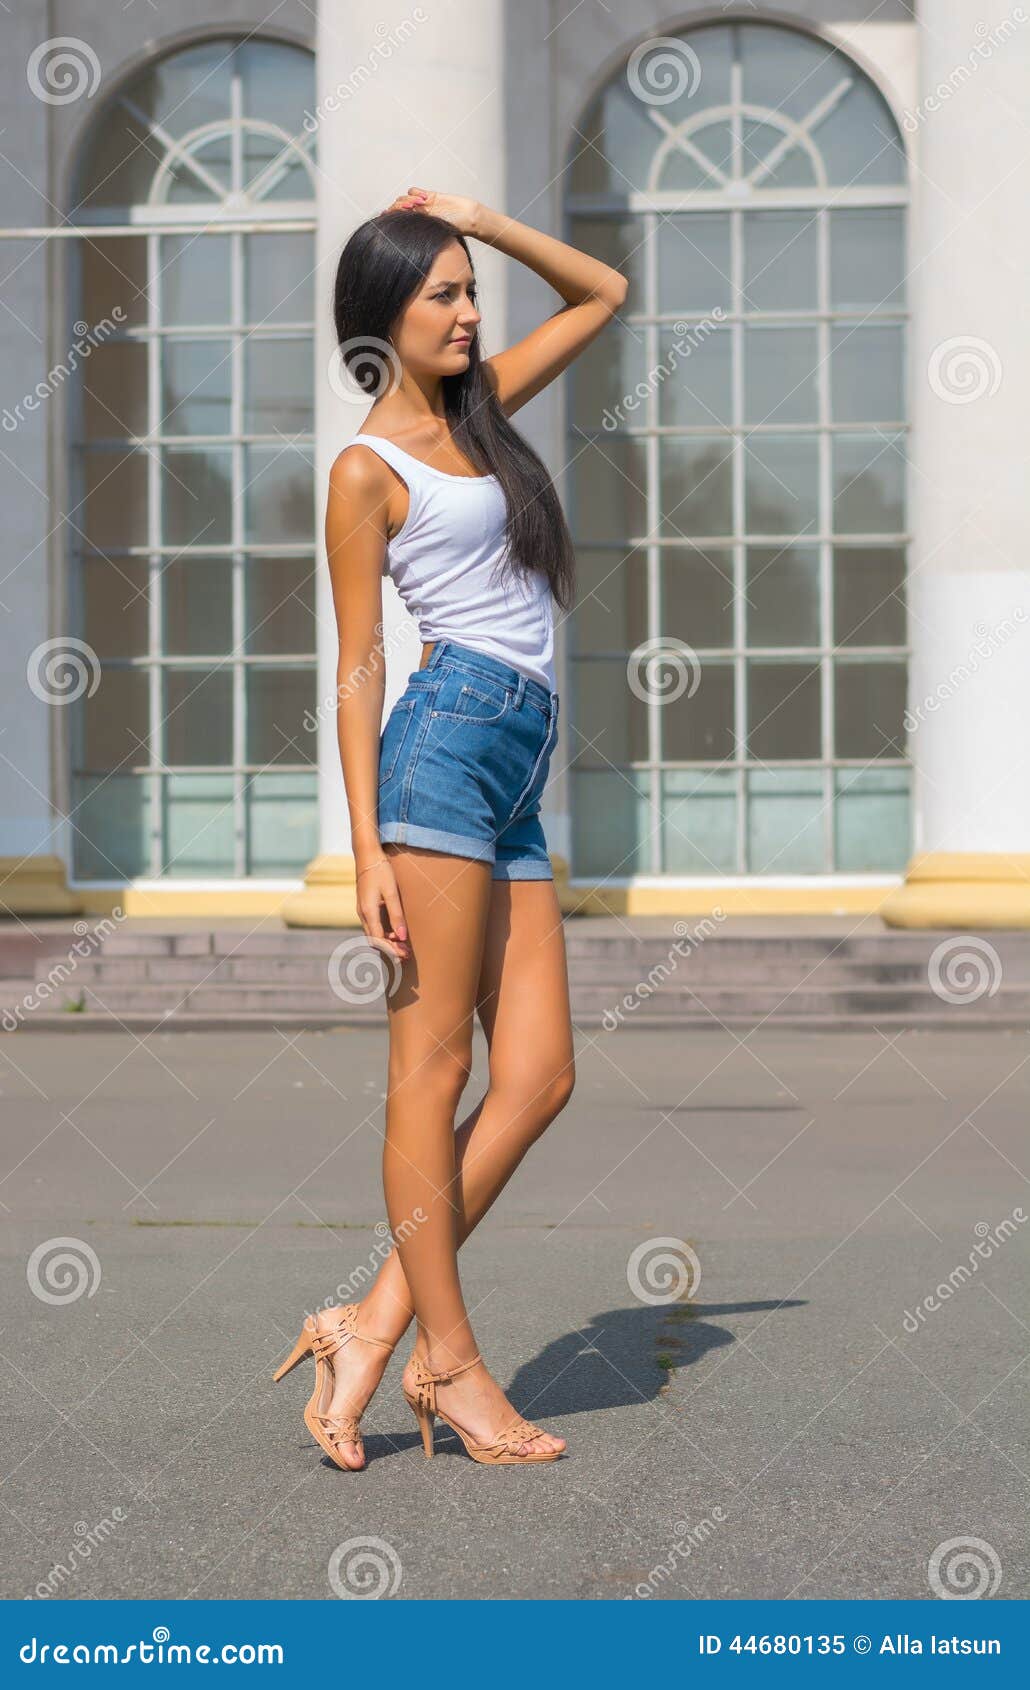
(962, 889)
(327, 898)
(35, 886)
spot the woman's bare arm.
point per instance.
(592, 290)
(356, 533)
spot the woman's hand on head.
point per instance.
(376, 890)
(456, 209)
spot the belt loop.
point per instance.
(520, 692)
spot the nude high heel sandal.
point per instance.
(503, 1452)
(328, 1430)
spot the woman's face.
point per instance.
(438, 325)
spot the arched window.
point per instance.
(737, 459)
(192, 493)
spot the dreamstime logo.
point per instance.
(988, 41)
(60, 670)
(964, 369)
(662, 70)
(388, 40)
(664, 670)
(327, 706)
(87, 941)
(662, 971)
(364, 1569)
(688, 336)
(363, 1275)
(963, 1569)
(86, 341)
(988, 642)
(363, 368)
(356, 971)
(988, 1241)
(87, 1538)
(61, 1270)
(964, 969)
(687, 1539)
(663, 1270)
(62, 70)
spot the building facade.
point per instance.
(794, 467)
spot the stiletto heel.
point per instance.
(505, 1449)
(300, 1349)
(329, 1430)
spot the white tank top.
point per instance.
(443, 561)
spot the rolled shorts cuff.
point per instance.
(433, 839)
(523, 868)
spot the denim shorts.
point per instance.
(463, 762)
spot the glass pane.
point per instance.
(194, 280)
(872, 820)
(278, 82)
(618, 241)
(204, 175)
(699, 822)
(869, 595)
(697, 390)
(114, 390)
(114, 273)
(611, 609)
(115, 721)
(280, 387)
(198, 716)
(277, 702)
(197, 497)
(609, 720)
(279, 273)
(768, 164)
(114, 610)
(869, 483)
(783, 70)
(867, 259)
(780, 261)
(611, 823)
(197, 606)
(606, 481)
(112, 826)
(195, 389)
(783, 711)
(697, 596)
(694, 262)
(115, 498)
(868, 373)
(607, 383)
(870, 707)
(697, 487)
(781, 375)
(281, 605)
(699, 729)
(706, 163)
(782, 484)
(200, 826)
(280, 493)
(282, 823)
(859, 138)
(782, 596)
(786, 821)
(612, 144)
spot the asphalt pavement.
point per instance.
(772, 1289)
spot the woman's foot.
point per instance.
(474, 1400)
(354, 1371)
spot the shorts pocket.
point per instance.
(480, 704)
(394, 735)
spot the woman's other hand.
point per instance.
(456, 209)
(376, 891)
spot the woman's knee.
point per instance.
(441, 1069)
(537, 1096)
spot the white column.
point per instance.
(969, 485)
(416, 103)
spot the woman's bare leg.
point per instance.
(522, 999)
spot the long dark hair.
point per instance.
(383, 264)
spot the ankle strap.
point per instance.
(450, 1372)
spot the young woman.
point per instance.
(454, 882)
